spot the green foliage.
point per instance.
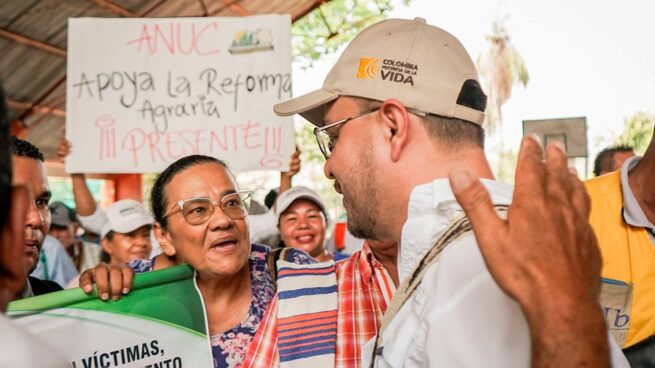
(637, 131)
(333, 24)
(306, 141)
(147, 182)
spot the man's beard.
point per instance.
(361, 224)
(362, 214)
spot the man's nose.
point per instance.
(327, 169)
(34, 218)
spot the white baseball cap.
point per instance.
(125, 216)
(421, 65)
(286, 199)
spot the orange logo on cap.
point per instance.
(368, 68)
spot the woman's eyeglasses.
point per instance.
(199, 210)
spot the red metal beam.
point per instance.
(13, 36)
(40, 99)
(234, 5)
(38, 109)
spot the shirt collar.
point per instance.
(432, 207)
(27, 291)
(368, 263)
(632, 213)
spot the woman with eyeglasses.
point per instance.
(200, 219)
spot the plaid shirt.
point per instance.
(364, 290)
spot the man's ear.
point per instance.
(397, 121)
(12, 242)
(164, 239)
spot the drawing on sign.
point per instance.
(249, 41)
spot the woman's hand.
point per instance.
(111, 280)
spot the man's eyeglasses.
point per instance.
(197, 211)
(325, 141)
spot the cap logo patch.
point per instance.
(127, 210)
(368, 68)
(390, 70)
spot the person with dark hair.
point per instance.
(623, 216)
(611, 159)
(398, 115)
(17, 347)
(5, 160)
(29, 171)
(200, 218)
(126, 234)
(83, 254)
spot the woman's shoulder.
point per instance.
(141, 265)
(296, 256)
(292, 255)
(259, 251)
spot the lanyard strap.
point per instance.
(44, 263)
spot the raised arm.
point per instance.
(545, 256)
(286, 176)
(85, 204)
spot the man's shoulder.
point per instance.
(459, 266)
(606, 201)
(605, 185)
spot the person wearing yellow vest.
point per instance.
(622, 215)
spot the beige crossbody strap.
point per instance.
(456, 229)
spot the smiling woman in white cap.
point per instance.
(302, 221)
(126, 235)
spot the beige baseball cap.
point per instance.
(422, 66)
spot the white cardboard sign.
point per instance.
(142, 93)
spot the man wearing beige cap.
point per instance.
(398, 115)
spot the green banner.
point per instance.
(160, 323)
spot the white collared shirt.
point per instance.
(458, 316)
(632, 212)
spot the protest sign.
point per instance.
(160, 323)
(144, 92)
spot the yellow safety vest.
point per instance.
(628, 256)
